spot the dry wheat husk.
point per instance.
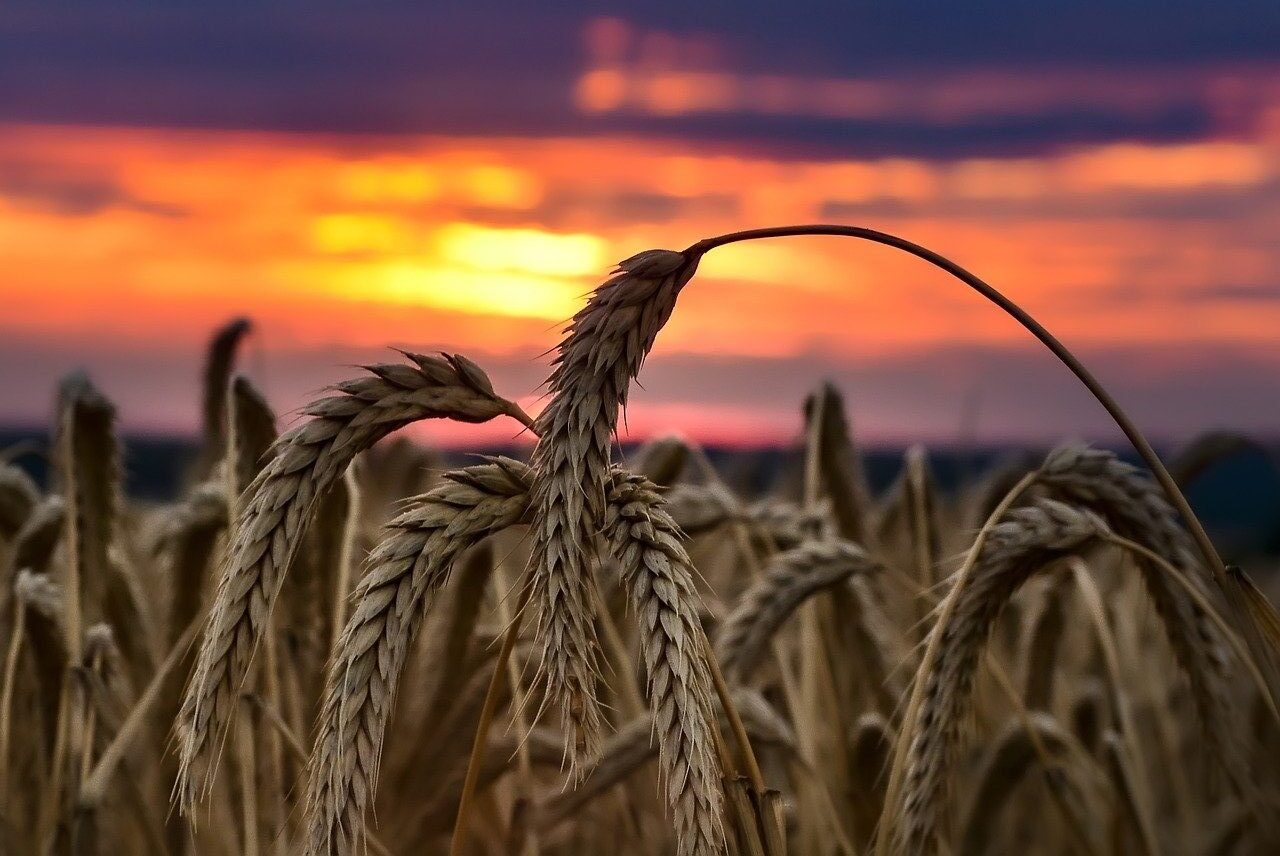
(307, 461)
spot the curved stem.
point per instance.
(457, 844)
(1059, 350)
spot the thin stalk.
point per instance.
(1059, 350)
(1227, 584)
(90, 723)
(458, 842)
(524, 760)
(735, 723)
(632, 703)
(6, 693)
(95, 783)
(346, 557)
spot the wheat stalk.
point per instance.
(790, 578)
(307, 461)
(601, 353)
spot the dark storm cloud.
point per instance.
(508, 67)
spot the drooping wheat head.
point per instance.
(600, 355)
(306, 462)
(1026, 540)
(657, 574)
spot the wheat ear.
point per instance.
(410, 564)
(281, 501)
(790, 578)
(219, 363)
(601, 353)
(1025, 540)
(1135, 508)
(657, 573)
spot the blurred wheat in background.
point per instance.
(596, 653)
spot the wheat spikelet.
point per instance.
(601, 353)
(1135, 508)
(656, 572)
(1027, 539)
(790, 579)
(39, 592)
(282, 498)
(405, 568)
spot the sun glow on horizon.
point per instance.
(154, 237)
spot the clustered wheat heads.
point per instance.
(1071, 710)
(414, 561)
(305, 464)
(1134, 507)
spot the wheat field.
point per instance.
(331, 644)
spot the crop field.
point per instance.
(328, 643)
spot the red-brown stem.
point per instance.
(1059, 350)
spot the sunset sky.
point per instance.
(459, 176)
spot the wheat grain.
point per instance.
(600, 355)
(405, 568)
(1027, 539)
(790, 579)
(657, 574)
(307, 461)
(1135, 508)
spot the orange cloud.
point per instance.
(486, 245)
